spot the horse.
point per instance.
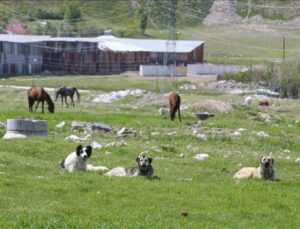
(175, 101)
(40, 95)
(67, 91)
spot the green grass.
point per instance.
(35, 193)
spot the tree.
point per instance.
(143, 17)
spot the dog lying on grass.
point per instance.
(265, 171)
(77, 161)
(144, 168)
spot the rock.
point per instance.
(163, 110)
(202, 137)
(96, 145)
(204, 116)
(262, 134)
(2, 125)
(115, 144)
(297, 160)
(124, 132)
(76, 138)
(201, 157)
(61, 124)
(93, 126)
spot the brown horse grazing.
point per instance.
(40, 95)
(175, 101)
(67, 91)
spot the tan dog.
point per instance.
(265, 171)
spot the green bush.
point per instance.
(53, 14)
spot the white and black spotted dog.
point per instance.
(78, 161)
(144, 168)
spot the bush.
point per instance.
(289, 79)
(54, 14)
(72, 12)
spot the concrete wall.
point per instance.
(161, 70)
(211, 69)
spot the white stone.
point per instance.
(61, 124)
(96, 145)
(201, 157)
(262, 134)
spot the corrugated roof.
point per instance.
(22, 38)
(109, 42)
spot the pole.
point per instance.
(283, 48)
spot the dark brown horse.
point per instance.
(67, 91)
(40, 95)
(175, 101)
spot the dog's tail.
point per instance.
(224, 170)
(62, 164)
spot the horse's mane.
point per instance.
(48, 99)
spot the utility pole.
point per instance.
(283, 48)
(170, 54)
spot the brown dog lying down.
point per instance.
(143, 168)
(265, 171)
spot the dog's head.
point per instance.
(85, 153)
(266, 162)
(144, 162)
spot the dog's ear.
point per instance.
(89, 150)
(79, 150)
(150, 160)
(137, 159)
(260, 159)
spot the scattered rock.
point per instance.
(184, 214)
(201, 157)
(93, 126)
(163, 110)
(116, 144)
(181, 155)
(204, 116)
(61, 124)
(116, 95)
(154, 133)
(124, 132)
(188, 87)
(262, 134)
(96, 145)
(2, 125)
(202, 137)
(297, 160)
(167, 147)
(76, 138)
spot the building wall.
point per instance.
(20, 58)
(81, 58)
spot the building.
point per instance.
(26, 54)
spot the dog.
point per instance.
(144, 168)
(265, 171)
(77, 161)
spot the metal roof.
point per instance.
(112, 43)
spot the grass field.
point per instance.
(35, 193)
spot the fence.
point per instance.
(211, 69)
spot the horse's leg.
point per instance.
(62, 100)
(37, 105)
(43, 106)
(30, 103)
(179, 113)
(72, 101)
(66, 101)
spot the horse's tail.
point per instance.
(177, 106)
(78, 95)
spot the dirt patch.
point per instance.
(215, 105)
